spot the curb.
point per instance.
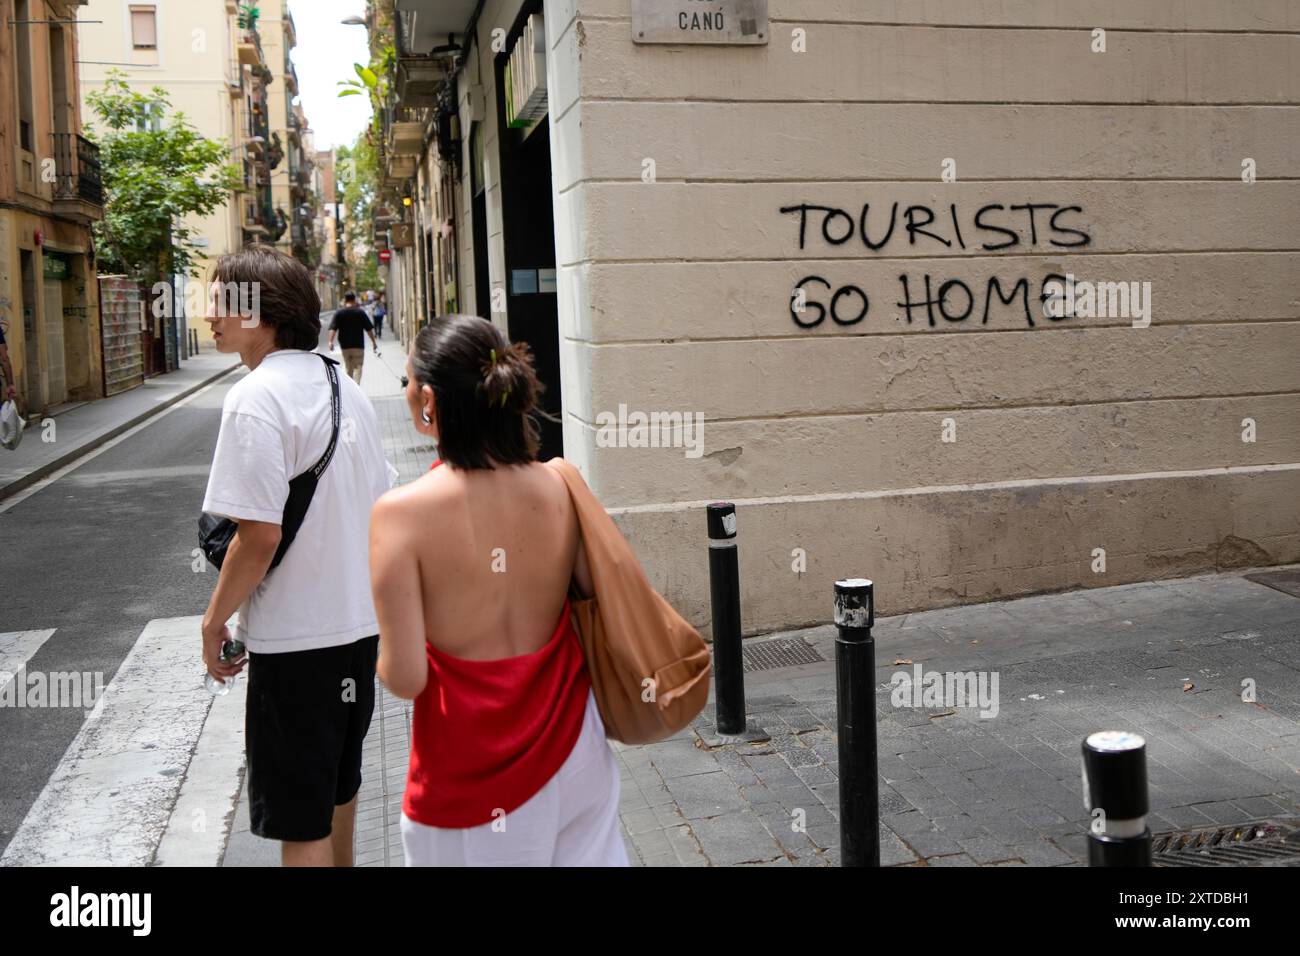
(47, 469)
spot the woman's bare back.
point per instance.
(496, 552)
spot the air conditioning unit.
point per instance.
(526, 75)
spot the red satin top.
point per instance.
(487, 735)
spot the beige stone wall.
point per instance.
(1071, 435)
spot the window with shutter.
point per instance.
(144, 28)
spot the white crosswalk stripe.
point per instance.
(141, 782)
(16, 649)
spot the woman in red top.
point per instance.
(471, 567)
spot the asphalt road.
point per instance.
(97, 554)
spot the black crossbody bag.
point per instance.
(216, 533)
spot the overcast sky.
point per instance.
(324, 55)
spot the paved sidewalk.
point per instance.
(1164, 659)
(955, 789)
(85, 426)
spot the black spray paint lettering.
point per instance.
(925, 299)
(853, 296)
(933, 299)
(998, 226)
(954, 301)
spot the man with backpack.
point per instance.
(309, 625)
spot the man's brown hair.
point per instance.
(285, 294)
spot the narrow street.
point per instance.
(100, 552)
(108, 547)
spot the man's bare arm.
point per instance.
(247, 560)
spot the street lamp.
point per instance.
(353, 21)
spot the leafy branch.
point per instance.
(155, 175)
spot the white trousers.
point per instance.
(571, 821)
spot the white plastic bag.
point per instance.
(11, 425)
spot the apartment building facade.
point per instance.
(226, 66)
(972, 332)
(292, 197)
(50, 194)
(330, 271)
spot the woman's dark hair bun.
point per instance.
(509, 381)
(486, 392)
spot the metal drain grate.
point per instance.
(1258, 843)
(778, 652)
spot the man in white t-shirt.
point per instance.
(309, 624)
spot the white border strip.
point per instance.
(16, 649)
(201, 821)
(109, 800)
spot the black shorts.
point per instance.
(307, 717)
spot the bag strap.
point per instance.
(331, 369)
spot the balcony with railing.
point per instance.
(248, 47)
(404, 128)
(254, 217)
(261, 123)
(276, 221)
(78, 188)
(254, 134)
(427, 57)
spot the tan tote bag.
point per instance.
(649, 668)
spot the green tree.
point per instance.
(155, 173)
(357, 186)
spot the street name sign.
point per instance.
(730, 22)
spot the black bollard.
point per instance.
(1115, 783)
(855, 711)
(724, 593)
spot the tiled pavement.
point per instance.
(960, 790)
(387, 748)
(955, 789)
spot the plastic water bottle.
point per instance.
(230, 650)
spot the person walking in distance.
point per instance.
(380, 311)
(471, 567)
(352, 325)
(309, 625)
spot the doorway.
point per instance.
(478, 217)
(528, 235)
(31, 343)
(56, 392)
